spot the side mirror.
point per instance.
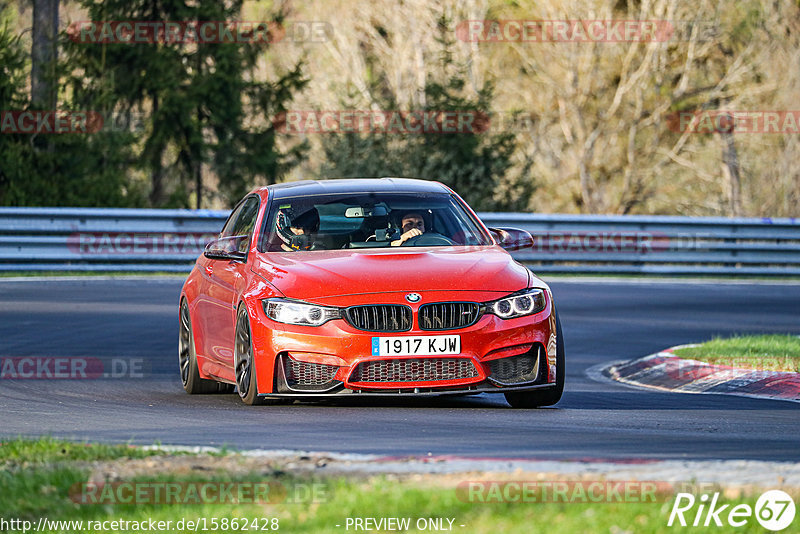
(512, 238)
(228, 248)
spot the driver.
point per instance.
(412, 224)
(297, 231)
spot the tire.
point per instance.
(187, 359)
(543, 397)
(245, 366)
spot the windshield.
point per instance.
(369, 220)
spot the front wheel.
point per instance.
(244, 358)
(543, 397)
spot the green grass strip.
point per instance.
(47, 450)
(767, 352)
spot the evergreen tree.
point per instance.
(70, 169)
(205, 107)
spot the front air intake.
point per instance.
(413, 370)
(307, 376)
(520, 369)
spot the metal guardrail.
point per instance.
(101, 239)
(668, 245)
(75, 239)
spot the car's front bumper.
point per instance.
(493, 347)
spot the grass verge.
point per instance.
(53, 480)
(768, 352)
(48, 450)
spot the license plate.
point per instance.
(416, 346)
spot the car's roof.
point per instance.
(354, 185)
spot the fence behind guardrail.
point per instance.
(74, 239)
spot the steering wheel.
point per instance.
(428, 239)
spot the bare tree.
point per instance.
(593, 129)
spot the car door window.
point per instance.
(227, 230)
(247, 218)
(243, 221)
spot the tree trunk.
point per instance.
(157, 167)
(198, 164)
(730, 169)
(44, 52)
(198, 184)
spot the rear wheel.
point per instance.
(187, 360)
(543, 397)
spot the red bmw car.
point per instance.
(367, 287)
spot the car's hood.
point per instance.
(323, 274)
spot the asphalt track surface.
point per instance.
(602, 321)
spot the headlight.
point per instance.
(300, 313)
(527, 302)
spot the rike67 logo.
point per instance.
(774, 510)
